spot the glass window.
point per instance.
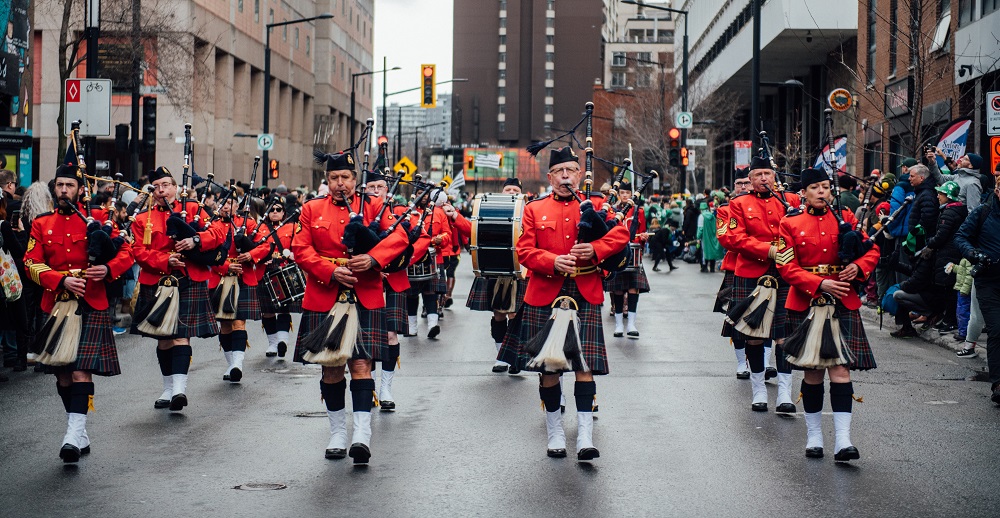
(642, 80)
(503, 5)
(270, 16)
(284, 32)
(893, 35)
(501, 92)
(502, 74)
(503, 39)
(239, 6)
(501, 127)
(256, 11)
(503, 23)
(645, 58)
(872, 17)
(549, 92)
(941, 40)
(550, 40)
(296, 38)
(550, 74)
(550, 57)
(617, 59)
(308, 45)
(618, 79)
(550, 5)
(548, 109)
(550, 22)
(989, 6)
(501, 108)
(503, 57)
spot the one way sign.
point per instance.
(993, 113)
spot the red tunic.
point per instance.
(152, 258)
(721, 232)
(753, 225)
(253, 270)
(811, 239)
(439, 225)
(641, 228)
(283, 237)
(400, 281)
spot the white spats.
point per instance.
(741, 360)
(229, 361)
(238, 357)
(759, 389)
(338, 429)
(433, 328)
(75, 424)
(283, 337)
(362, 428)
(411, 325)
(631, 324)
(784, 388)
(385, 387)
(768, 362)
(555, 431)
(842, 428)
(619, 325)
(814, 429)
(180, 382)
(168, 388)
(272, 345)
(584, 430)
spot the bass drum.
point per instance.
(496, 226)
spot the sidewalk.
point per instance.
(946, 340)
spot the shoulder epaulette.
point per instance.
(49, 213)
(540, 198)
(731, 198)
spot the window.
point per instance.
(256, 11)
(503, 23)
(550, 57)
(617, 59)
(503, 39)
(549, 92)
(501, 91)
(550, 22)
(296, 39)
(645, 58)
(550, 5)
(503, 5)
(502, 74)
(501, 108)
(550, 74)
(239, 6)
(618, 79)
(501, 127)
(893, 35)
(503, 57)
(270, 16)
(872, 17)
(548, 109)
(642, 80)
(284, 32)
(942, 41)
(308, 45)
(550, 40)
(989, 6)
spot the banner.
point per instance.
(488, 160)
(953, 139)
(456, 185)
(839, 153)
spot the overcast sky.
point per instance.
(410, 33)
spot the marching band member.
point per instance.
(741, 186)
(277, 320)
(563, 267)
(332, 272)
(753, 228)
(808, 260)
(626, 286)
(437, 227)
(160, 257)
(481, 295)
(57, 260)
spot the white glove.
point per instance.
(287, 254)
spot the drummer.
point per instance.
(277, 315)
(438, 228)
(482, 296)
(632, 282)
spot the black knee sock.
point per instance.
(755, 356)
(181, 359)
(63, 394)
(498, 328)
(239, 340)
(430, 302)
(79, 397)
(361, 395)
(412, 305)
(551, 397)
(812, 397)
(584, 392)
(633, 302)
(389, 364)
(840, 396)
(333, 394)
(270, 325)
(781, 361)
(284, 322)
(226, 342)
(738, 343)
(165, 357)
(616, 303)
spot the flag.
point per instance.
(837, 159)
(456, 185)
(953, 139)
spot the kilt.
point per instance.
(481, 294)
(267, 305)
(395, 310)
(450, 264)
(727, 282)
(197, 318)
(624, 281)
(852, 331)
(373, 342)
(248, 307)
(743, 287)
(530, 320)
(438, 285)
(96, 352)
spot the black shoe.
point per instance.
(656, 269)
(587, 454)
(815, 452)
(759, 407)
(785, 408)
(69, 453)
(904, 332)
(39, 367)
(20, 366)
(360, 453)
(270, 354)
(556, 453)
(387, 406)
(617, 334)
(225, 377)
(745, 375)
(770, 372)
(448, 302)
(996, 394)
(335, 453)
(513, 370)
(634, 334)
(178, 402)
(672, 268)
(433, 332)
(161, 403)
(500, 368)
(235, 375)
(282, 349)
(85, 450)
(846, 454)
(704, 269)
(409, 335)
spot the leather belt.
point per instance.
(580, 271)
(824, 269)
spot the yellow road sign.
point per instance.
(408, 166)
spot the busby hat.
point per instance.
(561, 155)
(159, 173)
(625, 185)
(69, 171)
(759, 162)
(741, 173)
(512, 181)
(335, 161)
(810, 176)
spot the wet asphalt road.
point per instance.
(675, 430)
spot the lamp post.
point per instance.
(92, 31)
(267, 73)
(354, 77)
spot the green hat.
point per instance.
(949, 189)
(909, 162)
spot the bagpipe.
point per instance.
(243, 242)
(852, 243)
(422, 192)
(101, 247)
(765, 153)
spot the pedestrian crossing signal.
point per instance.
(428, 99)
(272, 169)
(684, 157)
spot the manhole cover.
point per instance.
(260, 486)
(311, 414)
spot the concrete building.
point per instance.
(204, 64)
(432, 126)
(531, 66)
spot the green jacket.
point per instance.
(710, 247)
(963, 281)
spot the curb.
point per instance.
(947, 340)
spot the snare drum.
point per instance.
(425, 269)
(634, 256)
(285, 285)
(496, 226)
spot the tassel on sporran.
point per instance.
(504, 299)
(817, 343)
(163, 317)
(556, 348)
(226, 298)
(59, 338)
(335, 340)
(753, 315)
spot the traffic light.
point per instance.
(427, 81)
(121, 138)
(684, 156)
(674, 147)
(470, 162)
(272, 169)
(149, 124)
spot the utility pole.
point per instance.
(133, 141)
(92, 32)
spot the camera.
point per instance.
(980, 263)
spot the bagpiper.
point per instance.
(439, 229)
(625, 286)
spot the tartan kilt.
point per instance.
(727, 281)
(373, 340)
(96, 351)
(197, 318)
(436, 286)
(395, 310)
(624, 281)
(267, 305)
(852, 332)
(743, 287)
(481, 294)
(248, 307)
(530, 320)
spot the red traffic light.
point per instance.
(428, 71)
(674, 133)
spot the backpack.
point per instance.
(889, 302)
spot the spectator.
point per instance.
(711, 250)
(848, 199)
(965, 172)
(8, 183)
(690, 222)
(952, 213)
(963, 309)
(924, 210)
(12, 315)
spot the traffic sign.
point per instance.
(741, 152)
(407, 166)
(993, 113)
(684, 120)
(88, 101)
(994, 153)
(697, 142)
(265, 141)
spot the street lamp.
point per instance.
(355, 76)
(267, 72)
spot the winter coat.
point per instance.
(924, 209)
(963, 281)
(690, 227)
(711, 250)
(902, 189)
(943, 241)
(850, 201)
(969, 181)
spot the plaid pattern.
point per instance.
(852, 331)
(248, 307)
(373, 342)
(743, 287)
(438, 285)
(481, 294)
(267, 306)
(727, 281)
(395, 310)
(624, 281)
(96, 352)
(197, 318)
(529, 322)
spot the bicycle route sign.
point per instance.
(88, 101)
